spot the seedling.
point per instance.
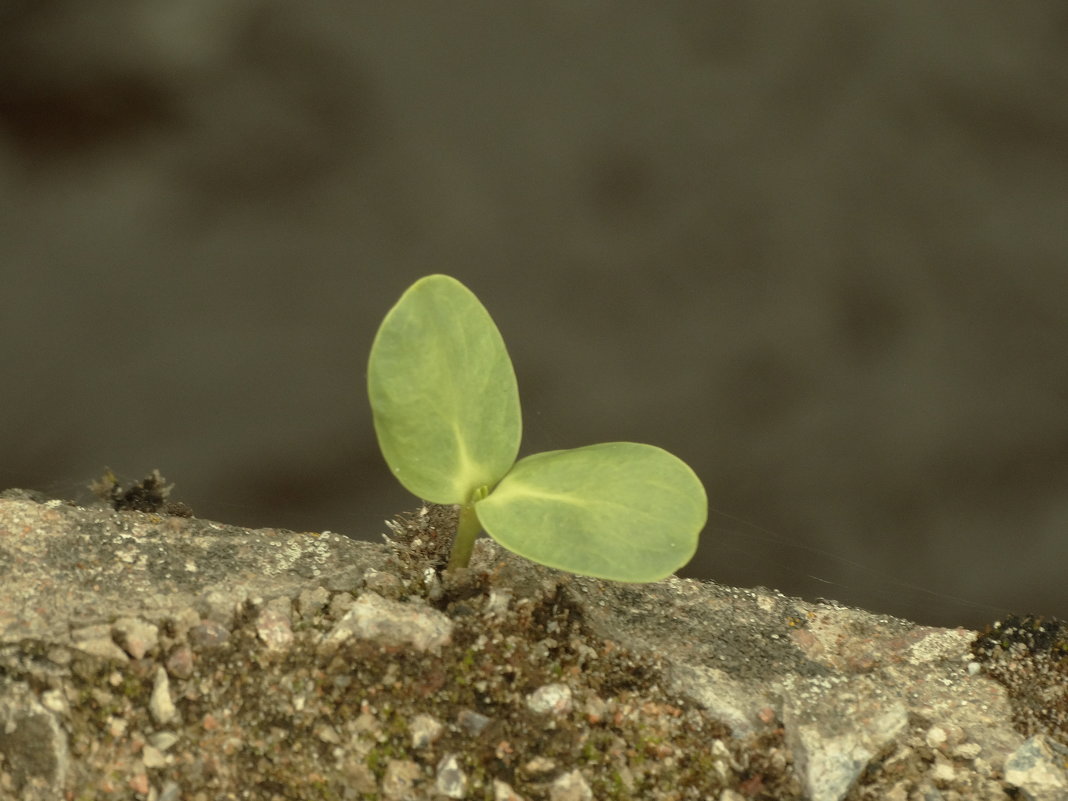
(446, 411)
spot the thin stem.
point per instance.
(466, 532)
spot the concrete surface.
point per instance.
(183, 658)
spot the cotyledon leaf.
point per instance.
(443, 393)
(620, 510)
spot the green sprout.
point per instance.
(446, 411)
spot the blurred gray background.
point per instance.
(818, 250)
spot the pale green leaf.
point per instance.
(443, 392)
(619, 510)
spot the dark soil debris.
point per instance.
(423, 538)
(1029, 655)
(150, 494)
